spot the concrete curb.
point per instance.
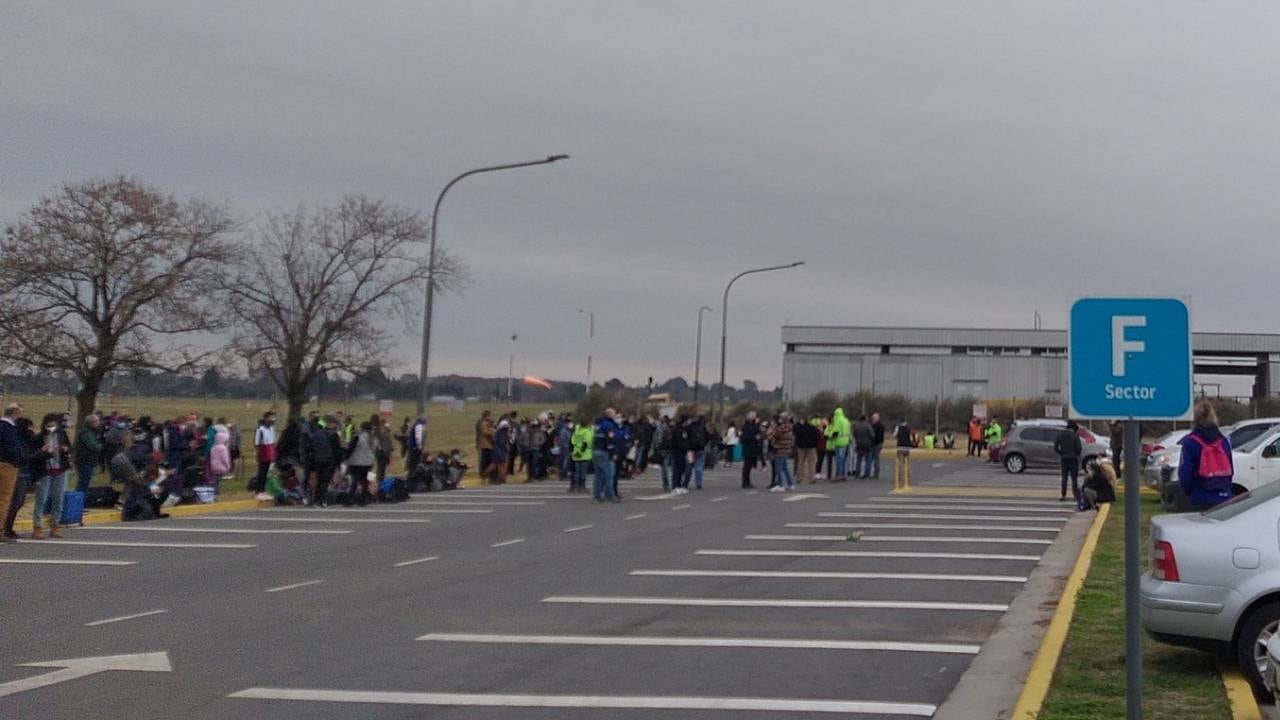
(998, 684)
(103, 516)
(1244, 706)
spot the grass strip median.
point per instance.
(1089, 682)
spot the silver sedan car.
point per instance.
(1214, 581)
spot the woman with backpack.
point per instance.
(1206, 469)
(360, 460)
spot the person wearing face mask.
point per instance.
(49, 467)
(264, 443)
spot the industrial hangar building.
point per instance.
(924, 363)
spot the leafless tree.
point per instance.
(110, 274)
(317, 289)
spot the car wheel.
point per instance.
(1015, 463)
(1251, 645)
(1237, 490)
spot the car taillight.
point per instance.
(1087, 436)
(1164, 566)
(1156, 448)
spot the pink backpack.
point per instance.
(1214, 462)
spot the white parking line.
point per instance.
(722, 498)
(923, 526)
(866, 554)
(578, 527)
(282, 588)
(966, 501)
(797, 575)
(648, 702)
(752, 492)
(122, 618)
(407, 563)
(480, 497)
(329, 519)
(930, 516)
(904, 538)
(966, 508)
(114, 543)
(232, 531)
(775, 603)
(399, 511)
(686, 506)
(477, 502)
(505, 543)
(637, 516)
(32, 561)
(642, 641)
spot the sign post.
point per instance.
(1130, 358)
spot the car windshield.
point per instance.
(1241, 503)
(1241, 435)
(1255, 443)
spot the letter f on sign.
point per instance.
(1119, 345)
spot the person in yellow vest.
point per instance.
(930, 440)
(993, 435)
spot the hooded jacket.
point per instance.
(582, 440)
(220, 454)
(838, 431)
(1203, 493)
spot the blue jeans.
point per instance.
(782, 468)
(580, 473)
(842, 461)
(602, 484)
(84, 475)
(666, 471)
(679, 468)
(873, 462)
(695, 469)
(50, 489)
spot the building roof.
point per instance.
(1053, 340)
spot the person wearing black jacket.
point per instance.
(806, 436)
(50, 461)
(750, 440)
(1069, 449)
(27, 441)
(698, 440)
(319, 456)
(877, 443)
(12, 455)
(678, 446)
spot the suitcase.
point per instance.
(72, 508)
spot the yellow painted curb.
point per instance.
(1037, 685)
(1240, 695)
(103, 516)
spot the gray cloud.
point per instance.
(934, 163)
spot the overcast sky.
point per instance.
(934, 163)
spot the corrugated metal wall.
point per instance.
(921, 377)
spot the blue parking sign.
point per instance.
(1130, 358)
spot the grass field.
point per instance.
(1178, 684)
(446, 429)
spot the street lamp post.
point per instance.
(591, 333)
(431, 269)
(697, 356)
(724, 323)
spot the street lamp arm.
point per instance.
(724, 321)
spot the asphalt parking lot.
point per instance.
(526, 602)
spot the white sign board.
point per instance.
(1053, 411)
(386, 407)
(979, 410)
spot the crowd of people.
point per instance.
(683, 446)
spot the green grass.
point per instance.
(1089, 683)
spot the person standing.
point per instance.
(863, 439)
(264, 444)
(750, 440)
(484, 440)
(730, 443)
(781, 442)
(49, 470)
(698, 446)
(317, 459)
(603, 449)
(11, 453)
(1117, 444)
(838, 437)
(1206, 468)
(88, 451)
(381, 440)
(1069, 448)
(806, 434)
(26, 447)
(678, 447)
(975, 437)
(877, 444)
(360, 460)
(581, 441)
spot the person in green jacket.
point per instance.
(87, 452)
(993, 435)
(838, 435)
(581, 441)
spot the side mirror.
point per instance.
(1270, 451)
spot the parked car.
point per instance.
(1257, 462)
(1214, 580)
(1162, 467)
(1163, 460)
(1030, 444)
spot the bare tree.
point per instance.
(317, 289)
(110, 274)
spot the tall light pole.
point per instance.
(724, 323)
(591, 333)
(431, 269)
(697, 356)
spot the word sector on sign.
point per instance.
(1130, 358)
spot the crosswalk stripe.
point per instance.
(904, 538)
(714, 642)
(931, 516)
(113, 543)
(867, 554)
(923, 526)
(799, 575)
(966, 508)
(330, 519)
(35, 561)
(776, 603)
(231, 531)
